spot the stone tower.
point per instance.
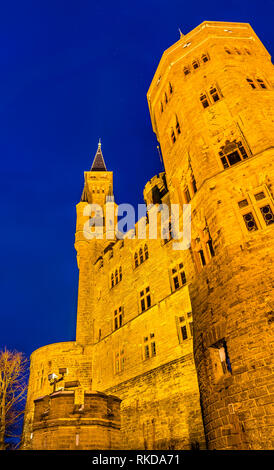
(211, 104)
(98, 191)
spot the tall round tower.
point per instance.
(211, 105)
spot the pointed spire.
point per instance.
(98, 162)
(181, 34)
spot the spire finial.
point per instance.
(98, 162)
(181, 34)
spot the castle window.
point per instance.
(184, 327)
(173, 137)
(237, 51)
(247, 51)
(204, 100)
(161, 107)
(118, 318)
(140, 256)
(146, 251)
(214, 94)
(243, 203)
(261, 83)
(259, 196)
(195, 64)
(186, 70)
(178, 129)
(205, 57)
(193, 184)
(257, 210)
(116, 276)
(178, 276)
(119, 361)
(250, 222)
(220, 359)
(187, 195)
(227, 50)
(145, 299)
(170, 88)
(251, 83)
(202, 257)
(166, 98)
(210, 248)
(267, 214)
(232, 153)
(149, 346)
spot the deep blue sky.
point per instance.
(71, 72)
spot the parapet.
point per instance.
(60, 422)
(155, 189)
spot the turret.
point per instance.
(210, 103)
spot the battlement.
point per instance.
(155, 189)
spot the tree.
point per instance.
(13, 390)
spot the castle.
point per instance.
(173, 347)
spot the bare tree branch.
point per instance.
(13, 389)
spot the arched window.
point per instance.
(112, 280)
(166, 99)
(237, 51)
(195, 64)
(141, 256)
(162, 108)
(170, 88)
(186, 70)
(247, 51)
(146, 251)
(116, 276)
(227, 50)
(136, 260)
(120, 273)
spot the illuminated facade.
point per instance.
(184, 338)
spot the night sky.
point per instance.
(71, 72)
